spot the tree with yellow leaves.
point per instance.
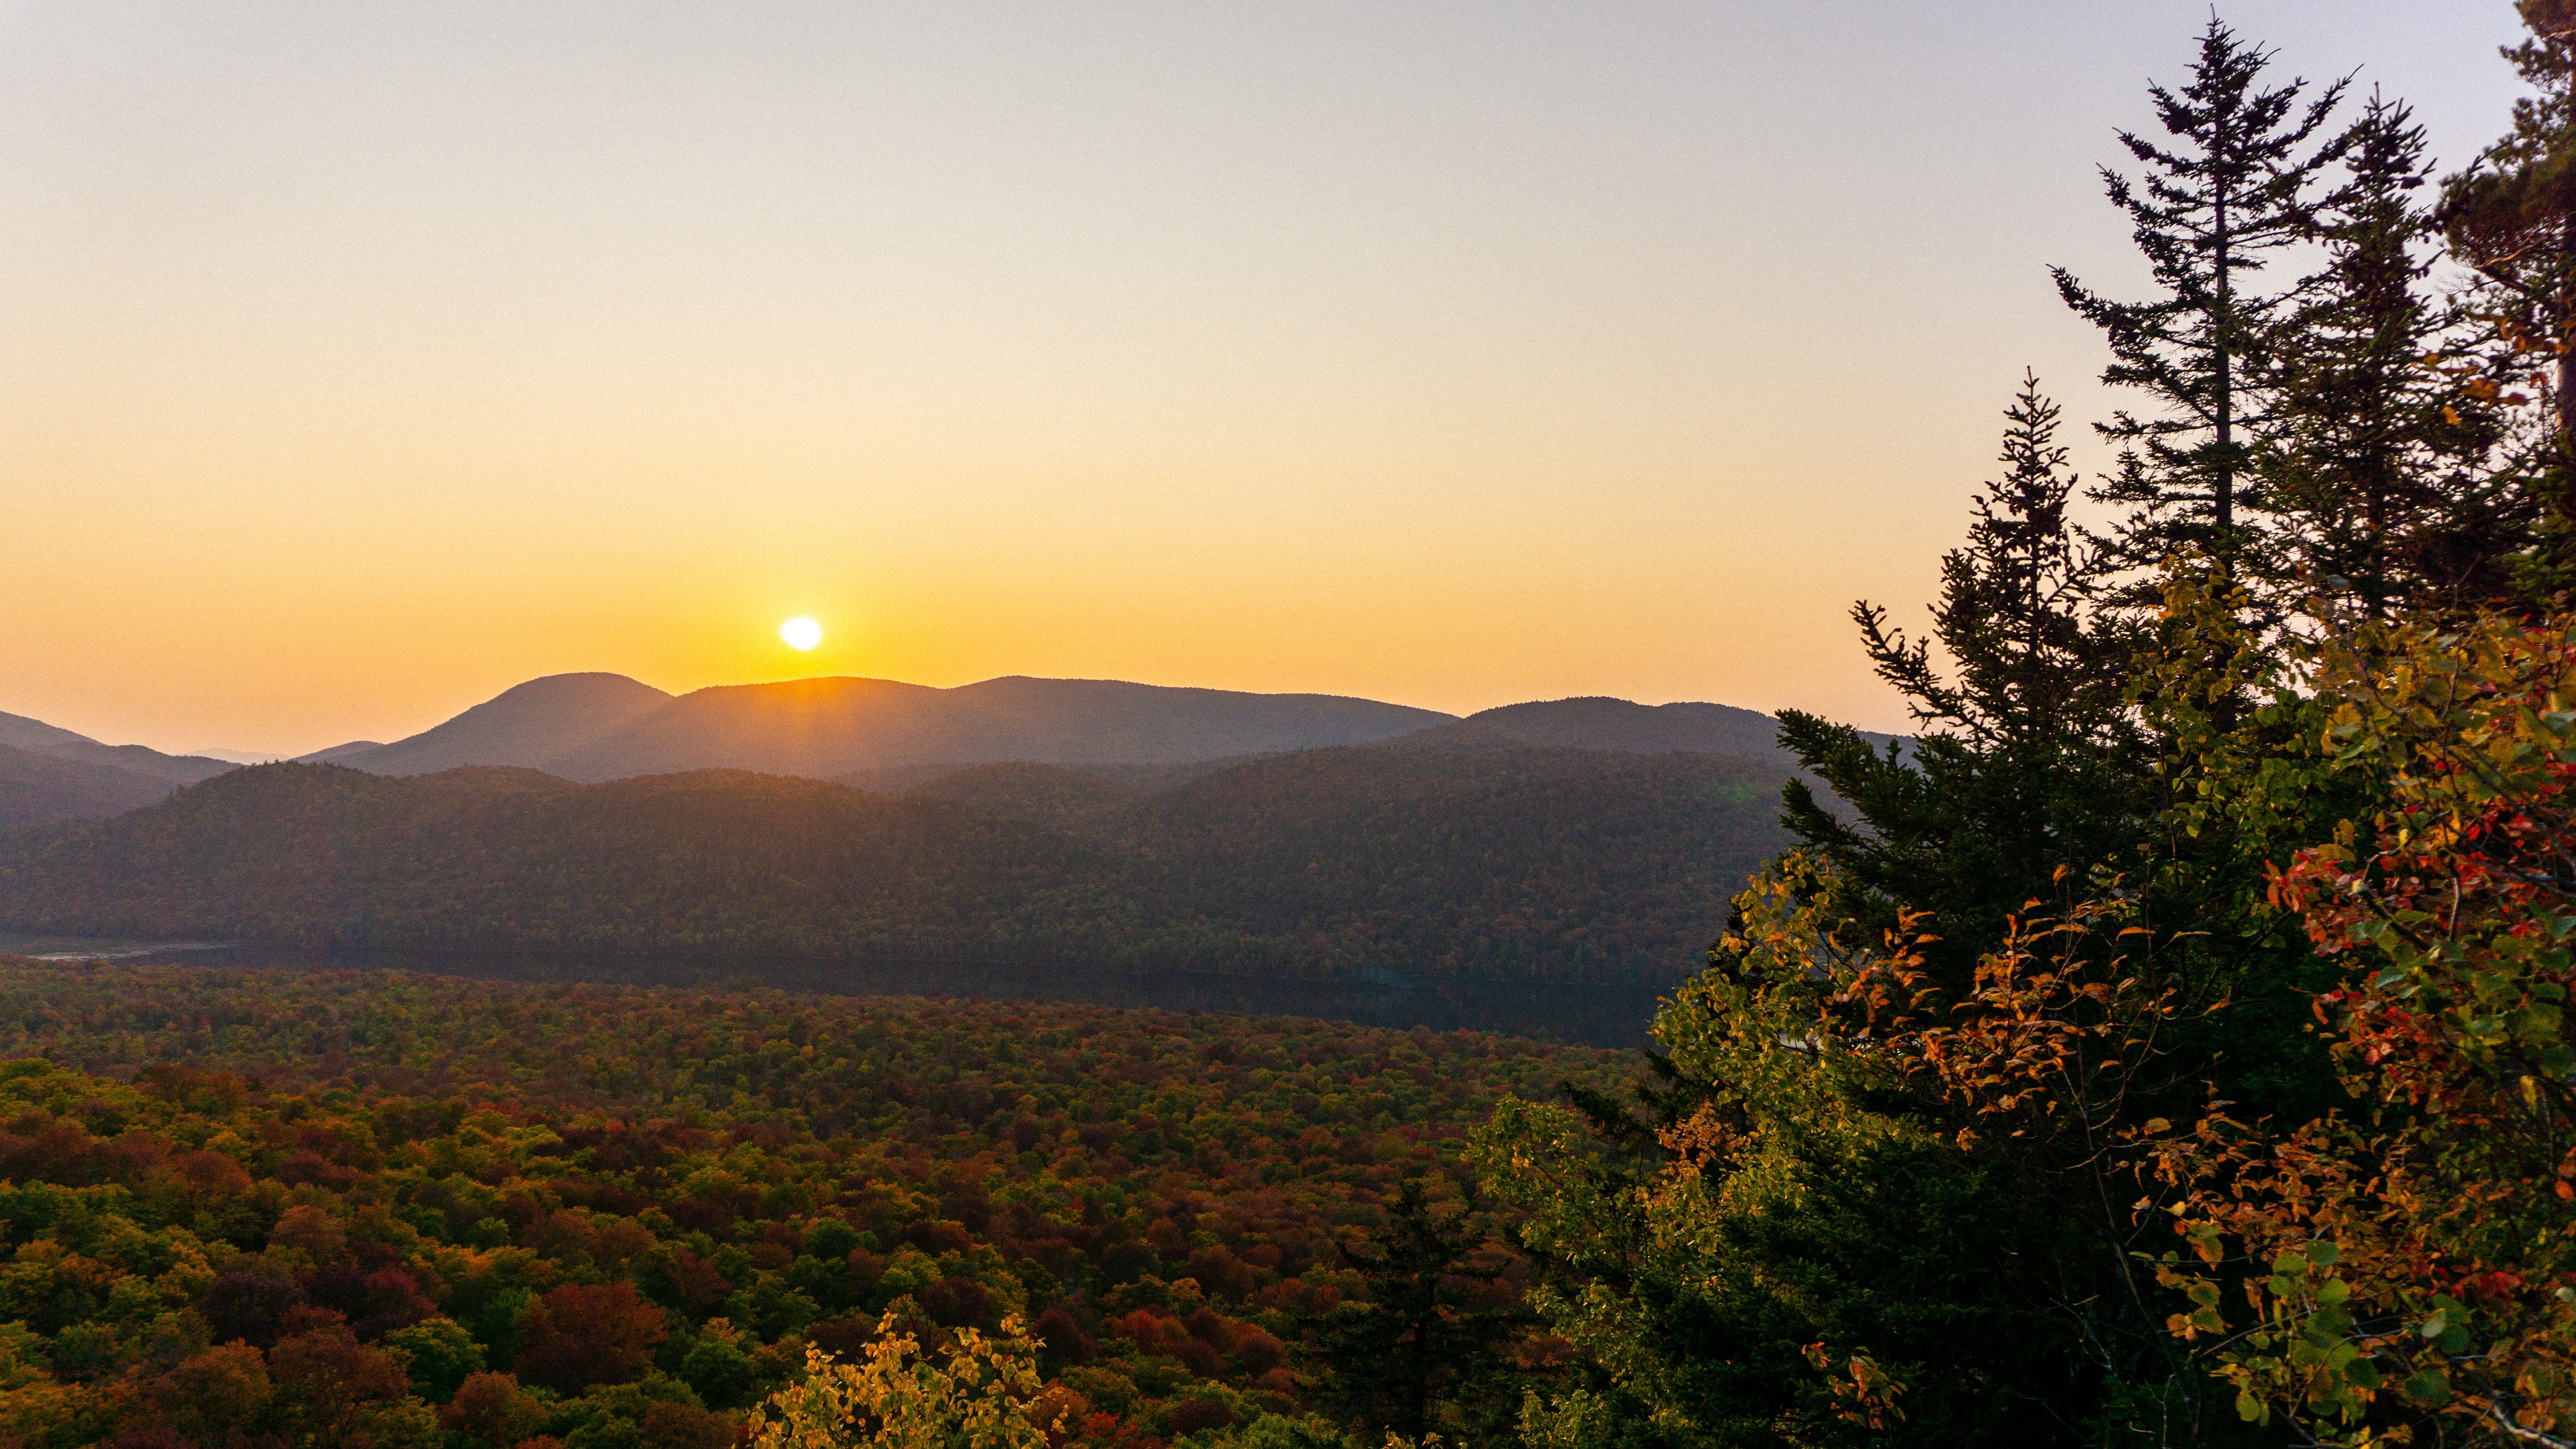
(974, 1392)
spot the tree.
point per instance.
(2512, 215)
(2231, 187)
(2026, 758)
(973, 1393)
(2382, 477)
(1801, 1254)
(1426, 1353)
(588, 1333)
(2406, 1264)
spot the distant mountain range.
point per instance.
(884, 736)
(592, 727)
(606, 727)
(48, 773)
(1027, 820)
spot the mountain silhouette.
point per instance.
(48, 773)
(1513, 863)
(528, 725)
(21, 733)
(606, 727)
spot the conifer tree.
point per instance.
(2231, 185)
(2024, 760)
(1424, 1355)
(2512, 216)
(2381, 478)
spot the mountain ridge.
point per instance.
(20, 732)
(891, 734)
(1529, 864)
(50, 774)
(527, 724)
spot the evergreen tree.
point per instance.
(2512, 217)
(1427, 1352)
(2513, 214)
(2025, 761)
(2381, 478)
(2233, 185)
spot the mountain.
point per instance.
(890, 737)
(1520, 863)
(39, 789)
(826, 728)
(21, 733)
(531, 724)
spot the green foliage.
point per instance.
(2405, 1262)
(1803, 1252)
(1427, 1350)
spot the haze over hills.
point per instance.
(891, 736)
(37, 789)
(20, 732)
(1598, 723)
(337, 753)
(48, 773)
(531, 725)
(1518, 863)
(606, 726)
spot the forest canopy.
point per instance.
(367, 1208)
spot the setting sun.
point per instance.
(801, 632)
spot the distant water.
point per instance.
(1591, 1015)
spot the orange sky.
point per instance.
(358, 362)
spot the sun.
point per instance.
(801, 633)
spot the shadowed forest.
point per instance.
(1495, 863)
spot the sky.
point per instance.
(359, 361)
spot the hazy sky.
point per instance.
(358, 361)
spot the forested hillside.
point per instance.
(395, 1211)
(1493, 862)
(48, 773)
(38, 789)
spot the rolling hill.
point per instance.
(36, 736)
(1598, 723)
(596, 727)
(529, 724)
(50, 774)
(1497, 862)
(39, 789)
(828, 727)
(889, 736)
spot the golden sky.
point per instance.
(359, 361)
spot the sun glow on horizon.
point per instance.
(801, 633)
